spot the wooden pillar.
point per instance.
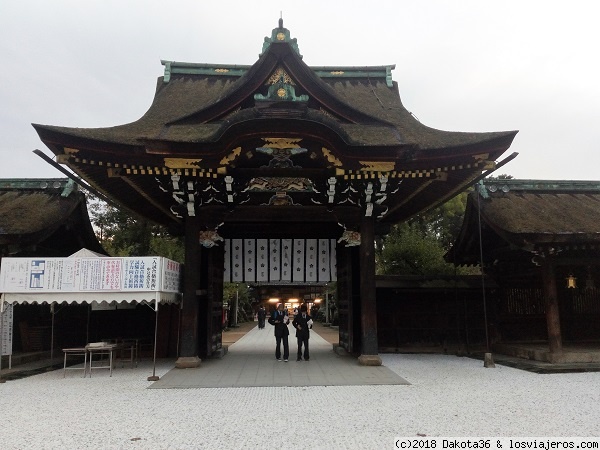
(369, 346)
(345, 296)
(215, 295)
(204, 305)
(188, 353)
(552, 311)
(212, 261)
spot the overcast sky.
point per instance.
(524, 65)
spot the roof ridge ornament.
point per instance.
(281, 90)
(280, 34)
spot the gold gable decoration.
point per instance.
(281, 143)
(331, 157)
(231, 157)
(277, 76)
(182, 163)
(377, 166)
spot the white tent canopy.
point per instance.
(86, 277)
(99, 298)
(86, 253)
(90, 278)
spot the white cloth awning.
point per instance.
(90, 297)
(86, 253)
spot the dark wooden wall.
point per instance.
(411, 318)
(421, 319)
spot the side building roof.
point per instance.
(528, 215)
(44, 217)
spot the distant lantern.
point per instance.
(571, 281)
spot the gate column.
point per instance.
(552, 311)
(369, 347)
(210, 301)
(188, 353)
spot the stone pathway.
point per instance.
(251, 362)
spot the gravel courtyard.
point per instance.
(448, 396)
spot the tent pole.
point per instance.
(178, 326)
(52, 335)
(1, 332)
(87, 326)
(154, 377)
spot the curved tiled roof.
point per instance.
(204, 116)
(528, 215)
(189, 95)
(44, 213)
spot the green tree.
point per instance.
(123, 234)
(444, 222)
(407, 250)
(418, 246)
(241, 291)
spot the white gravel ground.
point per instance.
(448, 396)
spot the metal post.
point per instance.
(87, 325)
(326, 308)
(1, 336)
(488, 359)
(52, 335)
(235, 307)
(154, 377)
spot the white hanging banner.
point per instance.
(7, 330)
(324, 267)
(262, 260)
(237, 255)
(250, 260)
(227, 254)
(274, 260)
(286, 260)
(311, 260)
(299, 260)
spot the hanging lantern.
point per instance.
(571, 281)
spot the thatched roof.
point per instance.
(44, 217)
(529, 215)
(206, 123)
(198, 103)
(185, 95)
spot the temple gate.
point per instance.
(276, 151)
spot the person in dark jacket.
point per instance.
(262, 315)
(279, 319)
(302, 323)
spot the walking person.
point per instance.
(262, 315)
(279, 319)
(302, 323)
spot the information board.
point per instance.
(149, 273)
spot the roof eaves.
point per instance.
(373, 72)
(183, 68)
(507, 185)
